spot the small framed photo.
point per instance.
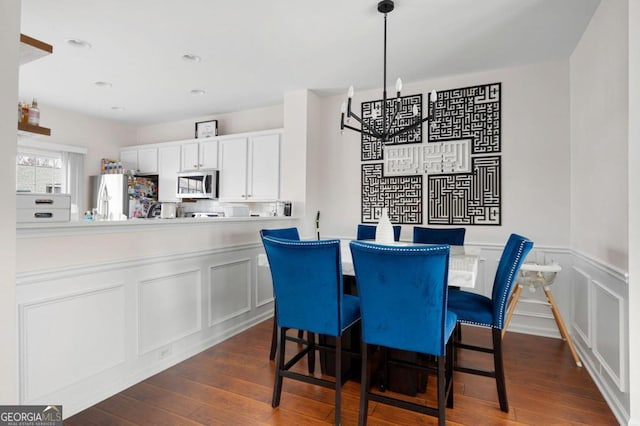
(207, 129)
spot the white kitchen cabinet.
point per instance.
(140, 160)
(233, 169)
(199, 154)
(250, 168)
(168, 168)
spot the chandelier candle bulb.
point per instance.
(398, 86)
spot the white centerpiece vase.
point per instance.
(384, 230)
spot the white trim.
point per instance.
(30, 143)
(617, 273)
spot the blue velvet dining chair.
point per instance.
(289, 234)
(368, 232)
(482, 311)
(452, 236)
(307, 280)
(403, 303)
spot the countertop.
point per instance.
(90, 226)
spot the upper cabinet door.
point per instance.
(233, 169)
(129, 159)
(190, 156)
(148, 160)
(208, 154)
(264, 168)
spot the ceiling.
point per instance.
(254, 51)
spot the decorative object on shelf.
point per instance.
(384, 230)
(34, 113)
(206, 129)
(389, 120)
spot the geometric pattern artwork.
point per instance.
(461, 160)
(372, 148)
(469, 113)
(401, 195)
(467, 199)
(430, 158)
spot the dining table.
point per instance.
(463, 261)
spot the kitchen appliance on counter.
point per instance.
(199, 215)
(119, 196)
(198, 184)
(236, 210)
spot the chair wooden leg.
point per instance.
(449, 371)
(338, 380)
(300, 334)
(499, 369)
(441, 391)
(364, 385)
(311, 356)
(511, 306)
(274, 336)
(563, 329)
(277, 385)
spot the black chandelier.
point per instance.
(385, 134)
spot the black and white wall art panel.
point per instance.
(470, 112)
(467, 199)
(401, 195)
(371, 147)
(460, 160)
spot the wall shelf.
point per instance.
(29, 128)
(32, 49)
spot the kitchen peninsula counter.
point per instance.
(112, 303)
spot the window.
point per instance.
(43, 167)
(40, 172)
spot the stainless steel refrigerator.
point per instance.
(119, 196)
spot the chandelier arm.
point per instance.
(393, 119)
(408, 128)
(377, 136)
(373, 131)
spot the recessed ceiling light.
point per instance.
(117, 108)
(197, 92)
(102, 83)
(76, 42)
(190, 57)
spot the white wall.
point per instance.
(535, 156)
(634, 208)
(599, 134)
(602, 185)
(101, 137)
(9, 36)
(230, 123)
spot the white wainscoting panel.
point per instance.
(609, 342)
(264, 285)
(170, 309)
(582, 305)
(600, 319)
(229, 290)
(66, 339)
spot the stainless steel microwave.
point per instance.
(198, 184)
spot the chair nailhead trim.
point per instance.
(503, 299)
(399, 248)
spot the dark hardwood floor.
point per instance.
(231, 384)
